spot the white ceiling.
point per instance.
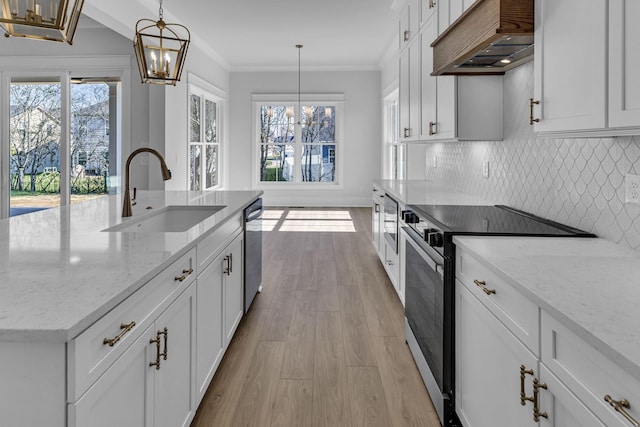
(262, 34)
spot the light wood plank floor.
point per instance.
(323, 344)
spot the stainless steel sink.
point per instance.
(166, 220)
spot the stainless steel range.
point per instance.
(430, 279)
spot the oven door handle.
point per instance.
(430, 255)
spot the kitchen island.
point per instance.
(63, 276)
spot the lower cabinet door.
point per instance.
(233, 290)
(562, 407)
(174, 387)
(123, 396)
(209, 336)
(488, 360)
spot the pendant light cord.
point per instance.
(299, 46)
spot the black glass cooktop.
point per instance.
(494, 220)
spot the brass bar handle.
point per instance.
(407, 132)
(126, 327)
(164, 332)
(157, 343)
(405, 35)
(227, 270)
(537, 385)
(523, 373)
(432, 128)
(230, 263)
(483, 285)
(185, 274)
(531, 104)
(620, 406)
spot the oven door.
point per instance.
(424, 311)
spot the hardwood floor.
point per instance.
(323, 344)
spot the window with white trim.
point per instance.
(204, 139)
(394, 152)
(298, 144)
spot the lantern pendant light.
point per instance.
(53, 20)
(161, 50)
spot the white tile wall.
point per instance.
(579, 182)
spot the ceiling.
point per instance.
(262, 34)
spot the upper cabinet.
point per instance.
(586, 80)
(409, 94)
(410, 18)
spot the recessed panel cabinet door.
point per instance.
(488, 360)
(174, 404)
(209, 336)
(570, 65)
(624, 63)
(233, 291)
(123, 396)
(562, 407)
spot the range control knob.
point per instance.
(426, 232)
(436, 240)
(411, 218)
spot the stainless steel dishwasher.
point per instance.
(252, 252)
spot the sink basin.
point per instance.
(168, 219)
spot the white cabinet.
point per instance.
(409, 21)
(219, 310)
(151, 384)
(174, 387)
(429, 7)
(488, 360)
(570, 82)
(624, 62)
(409, 94)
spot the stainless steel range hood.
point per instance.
(491, 37)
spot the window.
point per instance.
(204, 139)
(394, 160)
(298, 144)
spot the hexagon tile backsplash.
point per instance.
(579, 182)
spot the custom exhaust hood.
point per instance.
(490, 37)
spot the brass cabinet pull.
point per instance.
(185, 274)
(164, 332)
(126, 327)
(523, 373)
(157, 343)
(230, 263)
(537, 385)
(620, 406)
(227, 270)
(406, 35)
(531, 104)
(407, 132)
(432, 4)
(483, 285)
(432, 128)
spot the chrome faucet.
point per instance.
(166, 175)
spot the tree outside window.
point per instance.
(204, 142)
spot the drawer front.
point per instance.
(93, 351)
(588, 373)
(211, 245)
(515, 311)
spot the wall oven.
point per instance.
(391, 222)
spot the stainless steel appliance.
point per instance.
(252, 252)
(391, 222)
(430, 280)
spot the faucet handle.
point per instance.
(135, 193)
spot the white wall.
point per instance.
(362, 124)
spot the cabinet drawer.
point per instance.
(90, 354)
(588, 373)
(515, 311)
(211, 245)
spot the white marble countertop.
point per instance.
(591, 285)
(416, 192)
(60, 272)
